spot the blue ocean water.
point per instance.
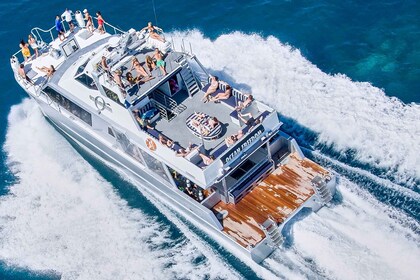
(306, 47)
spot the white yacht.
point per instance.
(223, 164)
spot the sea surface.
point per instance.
(344, 76)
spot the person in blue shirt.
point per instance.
(59, 28)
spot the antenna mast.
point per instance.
(154, 10)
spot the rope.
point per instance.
(154, 10)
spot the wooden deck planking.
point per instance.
(280, 194)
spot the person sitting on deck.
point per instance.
(118, 80)
(170, 144)
(150, 63)
(184, 152)
(239, 135)
(144, 123)
(153, 32)
(132, 80)
(213, 122)
(135, 64)
(242, 105)
(49, 70)
(246, 118)
(255, 123)
(159, 61)
(104, 65)
(223, 95)
(22, 73)
(162, 140)
(214, 85)
(207, 160)
(229, 141)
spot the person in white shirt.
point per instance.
(68, 18)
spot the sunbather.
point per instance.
(246, 103)
(206, 159)
(229, 141)
(150, 63)
(214, 85)
(213, 122)
(153, 32)
(49, 70)
(135, 64)
(223, 95)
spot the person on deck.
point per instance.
(229, 141)
(33, 44)
(242, 105)
(153, 32)
(89, 21)
(26, 53)
(22, 73)
(150, 63)
(48, 70)
(101, 22)
(223, 95)
(214, 85)
(59, 28)
(68, 18)
(213, 122)
(159, 61)
(135, 64)
(206, 159)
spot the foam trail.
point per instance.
(346, 114)
(62, 216)
(353, 240)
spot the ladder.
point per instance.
(167, 106)
(272, 231)
(321, 188)
(188, 77)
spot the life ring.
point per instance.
(151, 144)
(100, 103)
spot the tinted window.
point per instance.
(69, 106)
(86, 81)
(112, 95)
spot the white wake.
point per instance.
(62, 216)
(349, 115)
(353, 240)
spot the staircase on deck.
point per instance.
(167, 106)
(188, 77)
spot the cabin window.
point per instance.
(110, 132)
(81, 68)
(87, 81)
(155, 165)
(112, 95)
(129, 148)
(69, 105)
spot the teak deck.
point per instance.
(280, 194)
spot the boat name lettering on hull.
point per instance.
(242, 145)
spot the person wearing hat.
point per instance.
(89, 21)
